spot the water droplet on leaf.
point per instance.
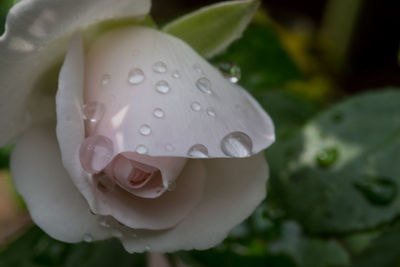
(377, 190)
(327, 157)
(196, 106)
(230, 71)
(93, 111)
(87, 238)
(95, 153)
(145, 130)
(158, 113)
(162, 87)
(160, 67)
(136, 76)
(204, 85)
(211, 112)
(141, 149)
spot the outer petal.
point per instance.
(34, 41)
(160, 213)
(234, 188)
(53, 201)
(189, 115)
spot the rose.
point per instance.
(151, 144)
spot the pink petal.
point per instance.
(148, 109)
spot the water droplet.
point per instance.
(237, 144)
(136, 76)
(93, 111)
(87, 238)
(198, 151)
(103, 222)
(162, 87)
(327, 157)
(169, 147)
(104, 182)
(197, 68)
(176, 74)
(158, 113)
(171, 185)
(147, 248)
(230, 71)
(141, 149)
(95, 153)
(211, 112)
(196, 106)
(105, 79)
(145, 130)
(116, 233)
(378, 190)
(204, 85)
(160, 67)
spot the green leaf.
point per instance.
(383, 252)
(356, 187)
(36, 249)
(308, 252)
(213, 28)
(263, 61)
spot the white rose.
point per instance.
(143, 140)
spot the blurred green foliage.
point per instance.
(333, 193)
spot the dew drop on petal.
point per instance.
(377, 190)
(211, 112)
(87, 238)
(197, 68)
(204, 85)
(162, 87)
(237, 145)
(158, 113)
(198, 151)
(196, 106)
(116, 233)
(93, 111)
(136, 76)
(160, 67)
(230, 71)
(176, 74)
(141, 149)
(95, 153)
(145, 130)
(171, 185)
(105, 79)
(169, 147)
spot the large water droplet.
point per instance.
(237, 145)
(145, 130)
(105, 79)
(95, 153)
(162, 87)
(93, 111)
(141, 149)
(160, 67)
(230, 71)
(204, 85)
(196, 106)
(327, 157)
(211, 112)
(176, 74)
(198, 151)
(87, 238)
(158, 113)
(136, 76)
(378, 190)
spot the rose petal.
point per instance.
(53, 201)
(160, 213)
(160, 96)
(35, 41)
(234, 188)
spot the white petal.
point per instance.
(53, 201)
(234, 188)
(150, 58)
(35, 41)
(163, 212)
